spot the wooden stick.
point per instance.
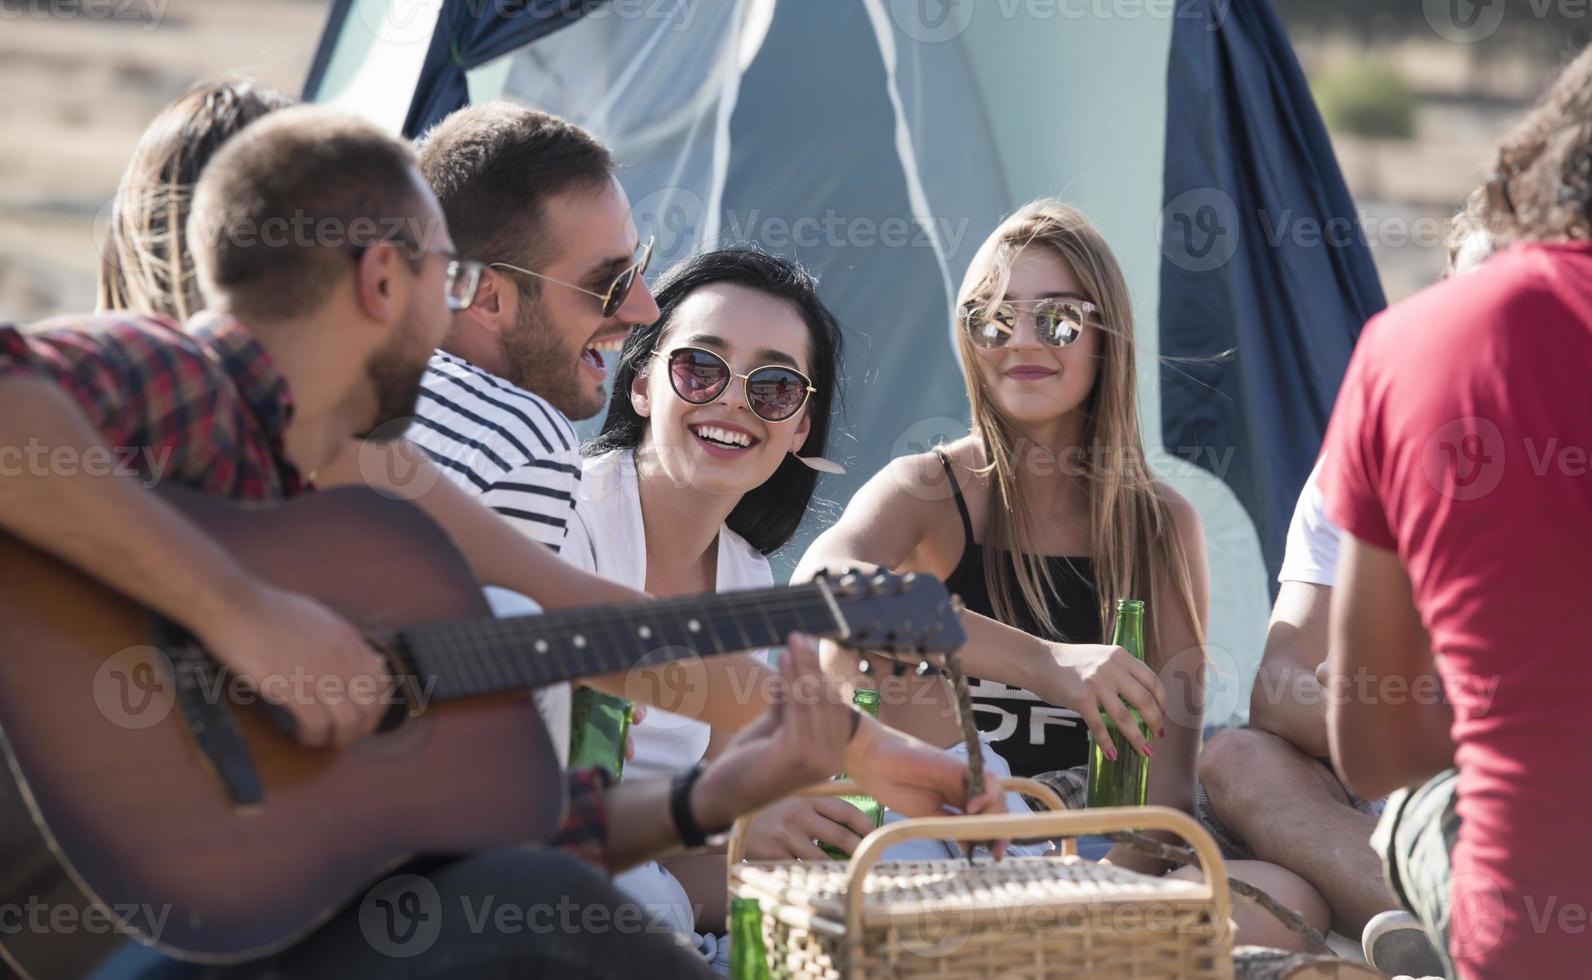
(1181, 856)
(975, 748)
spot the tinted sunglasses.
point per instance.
(617, 292)
(1058, 322)
(774, 392)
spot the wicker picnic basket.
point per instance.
(1021, 917)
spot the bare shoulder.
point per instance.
(1190, 530)
(920, 478)
(1185, 516)
(904, 517)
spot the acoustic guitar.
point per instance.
(148, 797)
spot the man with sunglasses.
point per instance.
(535, 198)
(306, 344)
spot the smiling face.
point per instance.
(723, 447)
(556, 345)
(1031, 382)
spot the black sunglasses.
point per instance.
(774, 392)
(617, 292)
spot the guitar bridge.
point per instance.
(199, 692)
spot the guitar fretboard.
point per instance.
(472, 657)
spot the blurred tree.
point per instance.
(1366, 100)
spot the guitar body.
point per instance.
(109, 804)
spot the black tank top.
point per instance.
(1032, 736)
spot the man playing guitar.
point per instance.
(315, 230)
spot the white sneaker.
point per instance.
(1396, 944)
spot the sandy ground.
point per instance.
(79, 91)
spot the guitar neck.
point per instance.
(473, 657)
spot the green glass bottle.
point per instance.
(748, 958)
(598, 724)
(1124, 780)
(866, 700)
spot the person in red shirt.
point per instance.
(1457, 465)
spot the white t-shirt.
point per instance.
(1312, 551)
(607, 537)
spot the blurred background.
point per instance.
(1412, 113)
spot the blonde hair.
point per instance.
(1131, 532)
(145, 263)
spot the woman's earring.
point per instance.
(820, 464)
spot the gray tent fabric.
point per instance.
(1260, 262)
(819, 195)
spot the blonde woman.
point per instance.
(1041, 519)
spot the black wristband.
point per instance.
(685, 825)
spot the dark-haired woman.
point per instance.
(704, 466)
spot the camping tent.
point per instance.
(879, 142)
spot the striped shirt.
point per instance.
(508, 446)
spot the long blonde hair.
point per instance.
(1131, 532)
(145, 264)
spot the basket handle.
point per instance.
(846, 787)
(1074, 823)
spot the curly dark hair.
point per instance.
(1541, 188)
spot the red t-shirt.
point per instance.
(1461, 440)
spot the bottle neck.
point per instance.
(1129, 631)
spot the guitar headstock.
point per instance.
(909, 613)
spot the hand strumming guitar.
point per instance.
(303, 658)
(118, 532)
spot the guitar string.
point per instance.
(576, 620)
(562, 625)
(446, 643)
(455, 638)
(450, 641)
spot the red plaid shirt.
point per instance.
(206, 408)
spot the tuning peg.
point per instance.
(877, 584)
(905, 583)
(848, 583)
